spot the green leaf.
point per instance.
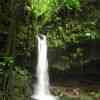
(43, 7)
(72, 3)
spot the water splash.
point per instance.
(42, 91)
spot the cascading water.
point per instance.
(42, 86)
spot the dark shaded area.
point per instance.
(3, 41)
(87, 72)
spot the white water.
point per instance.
(42, 86)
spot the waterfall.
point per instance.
(41, 89)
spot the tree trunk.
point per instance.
(10, 51)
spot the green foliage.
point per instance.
(6, 66)
(44, 7)
(44, 10)
(14, 80)
(72, 4)
(6, 63)
(22, 88)
(97, 95)
(67, 98)
(47, 7)
(86, 97)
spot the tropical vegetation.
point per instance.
(70, 26)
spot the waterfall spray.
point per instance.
(42, 86)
